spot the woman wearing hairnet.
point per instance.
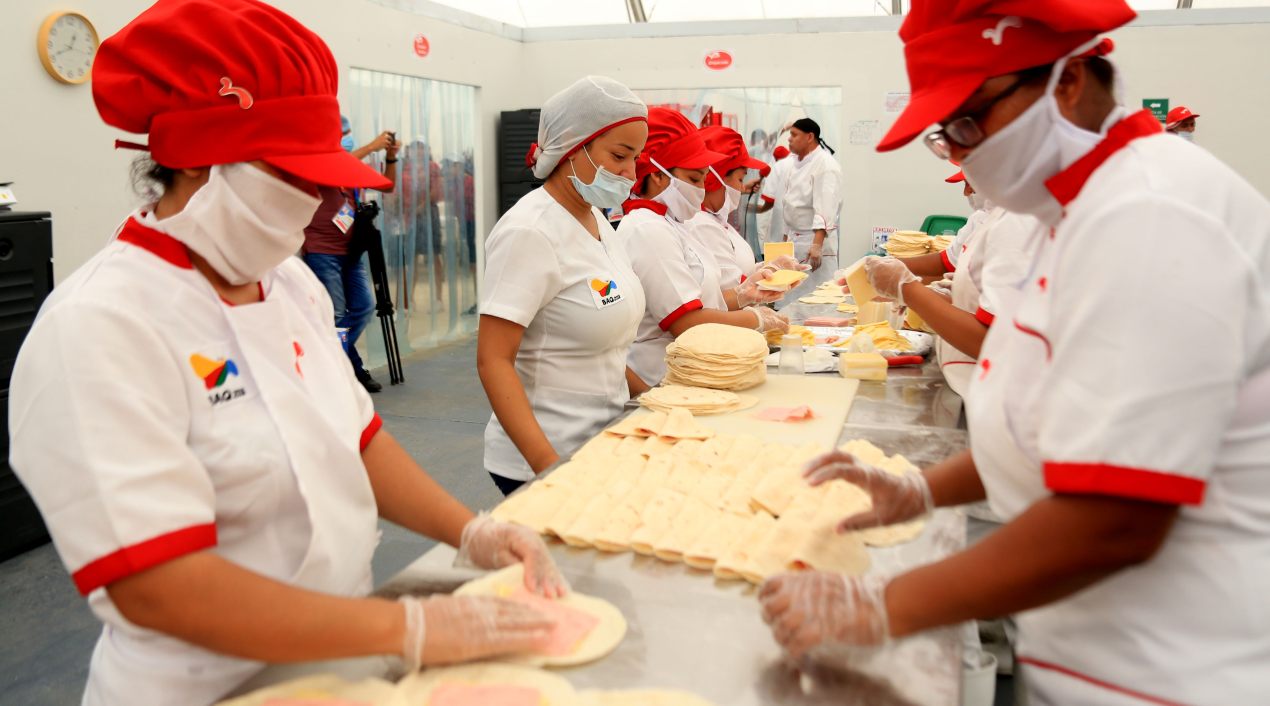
(561, 301)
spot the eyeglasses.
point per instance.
(965, 131)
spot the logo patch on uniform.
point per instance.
(604, 292)
(215, 374)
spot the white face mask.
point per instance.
(681, 199)
(731, 198)
(1012, 166)
(977, 201)
(1188, 136)
(243, 221)
(606, 190)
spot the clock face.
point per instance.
(68, 47)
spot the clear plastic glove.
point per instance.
(784, 262)
(943, 286)
(807, 609)
(813, 256)
(769, 320)
(750, 293)
(489, 544)
(448, 629)
(895, 498)
(888, 276)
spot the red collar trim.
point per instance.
(161, 245)
(636, 204)
(1067, 184)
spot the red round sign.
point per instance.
(421, 45)
(718, 60)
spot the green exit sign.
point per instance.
(1159, 107)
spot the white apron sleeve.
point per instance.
(522, 275)
(826, 199)
(1143, 377)
(1007, 252)
(657, 256)
(99, 417)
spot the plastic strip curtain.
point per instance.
(428, 220)
(760, 115)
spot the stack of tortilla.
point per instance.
(717, 356)
(698, 400)
(908, 243)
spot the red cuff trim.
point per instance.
(948, 263)
(161, 245)
(677, 314)
(743, 278)
(984, 316)
(131, 560)
(1120, 481)
(767, 198)
(1096, 682)
(371, 429)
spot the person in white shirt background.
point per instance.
(1181, 122)
(1119, 424)
(811, 198)
(560, 301)
(724, 186)
(771, 222)
(184, 416)
(679, 275)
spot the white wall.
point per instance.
(53, 144)
(1209, 68)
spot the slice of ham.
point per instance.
(486, 695)
(572, 625)
(786, 414)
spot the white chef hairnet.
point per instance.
(579, 114)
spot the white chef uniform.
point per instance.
(731, 252)
(151, 420)
(771, 225)
(580, 303)
(995, 258)
(811, 201)
(678, 274)
(1105, 380)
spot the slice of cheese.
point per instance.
(858, 281)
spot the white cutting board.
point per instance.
(829, 398)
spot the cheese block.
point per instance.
(771, 251)
(858, 281)
(862, 366)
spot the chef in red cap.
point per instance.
(991, 256)
(679, 274)
(1181, 122)
(184, 416)
(724, 184)
(1120, 426)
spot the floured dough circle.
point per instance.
(602, 639)
(324, 687)
(416, 689)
